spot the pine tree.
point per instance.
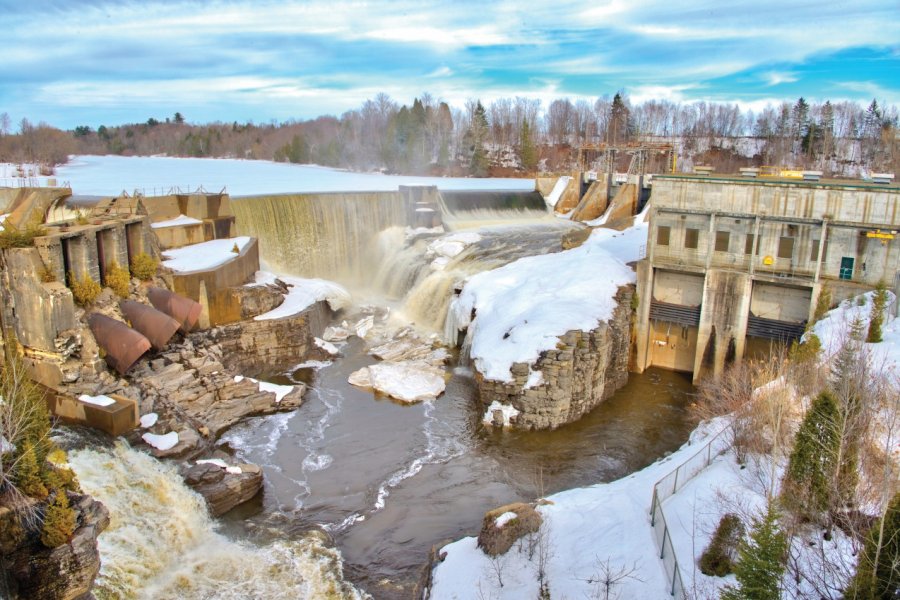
(527, 151)
(878, 571)
(876, 320)
(477, 134)
(761, 561)
(59, 521)
(808, 488)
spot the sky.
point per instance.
(93, 62)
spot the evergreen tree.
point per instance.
(527, 151)
(808, 488)
(761, 561)
(878, 570)
(477, 135)
(619, 120)
(59, 521)
(28, 474)
(876, 320)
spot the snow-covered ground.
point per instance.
(604, 530)
(178, 221)
(153, 175)
(206, 255)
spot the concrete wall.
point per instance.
(211, 287)
(198, 206)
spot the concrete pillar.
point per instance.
(724, 311)
(642, 319)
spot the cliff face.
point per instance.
(584, 370)
(66, 572)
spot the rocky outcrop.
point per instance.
(224, 488)
(66, 572)
(502, 526)
(584, 370)
(267, 346)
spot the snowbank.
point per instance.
(833, 329)
(207, 255)
(522, 308)
(149, 420)
(561, 184)
(176, 222)
(506, 410)
(100, 400)
(303, 293)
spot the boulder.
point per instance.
(224, 488)
(503, 526)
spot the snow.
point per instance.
(312, 364)
(303, 293)
(583, 527)
(522, 308)
(586, 527)
(176, 222)
(149, 420)
(161, 442)
(506, 410)
(100, 400)
(155, 175)
(233, 470)
(364, 326)
(503, 519)
(451, 245)
(212, 461)
(6, 446)
(561, 184)
(404, 381)
(834, 328)
(326, 346)
(3, 217)
(280, 391)
(203, 256)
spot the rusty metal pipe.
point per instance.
(123, 345)
(184, 310)
(157, 326)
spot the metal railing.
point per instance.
(48, 181)
(665, 488)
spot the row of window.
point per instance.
(723, 241)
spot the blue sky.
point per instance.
(107, 62)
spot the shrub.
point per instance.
(878, 570)
(118, 280)
(236, 249)
(879, 303)
(14, 237)
(719, 557)
(47, 275)
(59, 521)
(57, 477)
(84, 290)
(761, 562)
(28, 474)
(143, 266)
(823, 303)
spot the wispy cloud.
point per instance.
(270, 59)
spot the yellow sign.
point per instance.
(768, 260)
(881, 235)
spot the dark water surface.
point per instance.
(389, 481)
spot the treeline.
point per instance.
(507, 135)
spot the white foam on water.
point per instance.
(162, 544)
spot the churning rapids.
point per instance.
(383, 480)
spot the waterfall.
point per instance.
(161, 542)
(469, 209)
(319, 235)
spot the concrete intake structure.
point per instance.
(734, 264)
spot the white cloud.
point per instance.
(778, 77)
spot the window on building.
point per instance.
(814, 251)
(785, 247)
(662, 235)
(691, 238)
(748, 244)
(722, 239)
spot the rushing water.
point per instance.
(388, 481)
(385, 481)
